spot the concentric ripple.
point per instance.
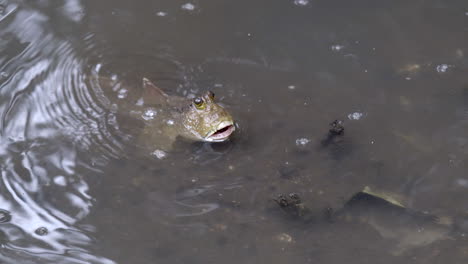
(59, 125)
(47, 115)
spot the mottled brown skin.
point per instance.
(198, 119)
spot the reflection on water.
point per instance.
(46, 199)
(75, 188)
(42, 99)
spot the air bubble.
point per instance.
(122, 93)
(149, 114)
(188, 6)
(355, 116)
(160, 154)
(301, 2)
(302, 141)
(442, 68)
(337, 47)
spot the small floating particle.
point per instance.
(283, 237)
(442, 68)
(161, 14)
(5, 216)
(160, 154)
(410, 68)
(220, 227)
(41, 231)
(188, 6)
(302, 141)
(170, 122)
(301, 2)
(291, 87)
(355, 116)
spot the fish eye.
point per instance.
(199, 103)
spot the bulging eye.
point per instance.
(199, 103)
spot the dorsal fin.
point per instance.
(153, 94)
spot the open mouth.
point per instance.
(225, 129)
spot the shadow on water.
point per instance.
(77, 187)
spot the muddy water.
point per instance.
(76, 189)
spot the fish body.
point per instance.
(167, 117)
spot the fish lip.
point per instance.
(214, 137)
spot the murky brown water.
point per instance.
(74, 189)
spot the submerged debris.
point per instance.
(291, 204)
(336, 127)
(335, 131)
(386, 213)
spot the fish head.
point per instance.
(208, 121)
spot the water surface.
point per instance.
(76, 189)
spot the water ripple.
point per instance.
(48, 114)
